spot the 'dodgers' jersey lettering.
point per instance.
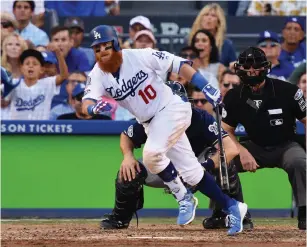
(139, 86)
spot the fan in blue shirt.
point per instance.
(23, 11)
(75, 59)
(294, 45)
(269, 42)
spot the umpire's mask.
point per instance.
(252, 66)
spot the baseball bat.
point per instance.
(223, 170)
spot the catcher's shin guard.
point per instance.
(129, 197)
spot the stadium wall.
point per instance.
(71, 175)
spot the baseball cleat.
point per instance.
(218, 221)
(235, 218)
(187, 207)
(111, 222)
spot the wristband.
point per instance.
(199, 81)
(90, 110)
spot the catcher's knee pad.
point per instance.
(130, 193)
(235, 188)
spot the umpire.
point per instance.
(268, 109)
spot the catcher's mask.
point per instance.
(255, 58)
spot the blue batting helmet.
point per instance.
(178, 89)
(104, 33)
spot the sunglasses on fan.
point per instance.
(6, 24)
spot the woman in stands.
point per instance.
(12, 46)
(208, 61)
(212, 18)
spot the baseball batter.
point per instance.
(134, 78)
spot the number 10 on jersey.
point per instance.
(148, 94)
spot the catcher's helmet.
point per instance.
(252, 57)
(104, 33)
(178, 89)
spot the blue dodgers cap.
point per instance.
(297, 20)
(49, 57)
(104, 33)
(79, 89)
(268, 35)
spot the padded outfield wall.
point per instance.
(73, 176)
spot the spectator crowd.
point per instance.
(48, 71)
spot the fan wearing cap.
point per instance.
(31, 99)
(50, 64)
(294, 44)
(144, 39)
(136, 24)
(76, 28)
(268, 109)
(269, 42)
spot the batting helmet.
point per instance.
(252, 57)
(104, 33)
(178, 89)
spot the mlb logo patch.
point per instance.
(276, 122)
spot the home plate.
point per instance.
(151, 237)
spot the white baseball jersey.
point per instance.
(140, 85)
(32, 103)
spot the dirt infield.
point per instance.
(149, 233)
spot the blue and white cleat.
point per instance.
(187, 207)
(234, 219)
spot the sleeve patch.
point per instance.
(299, 94)
(130, 131)
(302, 104)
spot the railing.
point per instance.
(172, 42)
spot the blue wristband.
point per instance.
(199, 81)
(90, 110)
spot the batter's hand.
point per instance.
(128, 168)
(213, 95)
(247, 160)
(99, 107)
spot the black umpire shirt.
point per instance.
(269, 117)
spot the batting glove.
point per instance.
(99, 107)
(213, 95)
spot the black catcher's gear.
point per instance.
(302, 218)
(129, 197)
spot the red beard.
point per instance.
(113, 64)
